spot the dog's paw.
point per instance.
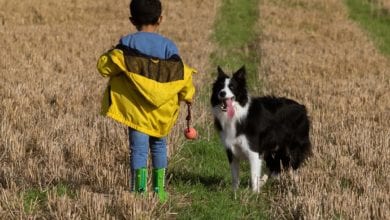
(263, 180)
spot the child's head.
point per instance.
(145, 12)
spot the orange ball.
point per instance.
(190, 133)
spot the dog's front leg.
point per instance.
(255, 163)
(234, 167)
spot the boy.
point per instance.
(147, 82)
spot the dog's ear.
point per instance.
(221, 73)
(240, 74)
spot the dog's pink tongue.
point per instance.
(229, 108)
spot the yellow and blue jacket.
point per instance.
(143, 92)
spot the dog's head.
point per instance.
(228, 91)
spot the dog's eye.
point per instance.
(231, 86)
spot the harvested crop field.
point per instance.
(385, 4)
(59, 158)
(312, 52)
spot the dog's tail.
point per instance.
(299, 151)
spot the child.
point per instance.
(147, 82)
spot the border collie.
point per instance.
(272, 129)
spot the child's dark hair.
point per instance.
(144, 12)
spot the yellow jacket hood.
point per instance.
(144, 92)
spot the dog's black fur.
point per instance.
(279, 131)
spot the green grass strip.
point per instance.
(236, 35)
(374, 19)
(200, 171)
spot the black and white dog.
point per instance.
(258, 128)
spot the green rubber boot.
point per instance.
(139, 181)
(159, 184)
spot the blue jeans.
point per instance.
(139, 148)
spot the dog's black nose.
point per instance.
(222, 94)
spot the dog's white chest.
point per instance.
(239, 145)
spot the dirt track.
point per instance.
(50, 128)
(312, 52)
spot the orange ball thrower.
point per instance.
(190, 132)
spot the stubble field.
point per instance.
(56, 149)
(312, 52)
(59, 158)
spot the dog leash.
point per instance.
(188, 118)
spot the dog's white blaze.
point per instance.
(229, 93)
